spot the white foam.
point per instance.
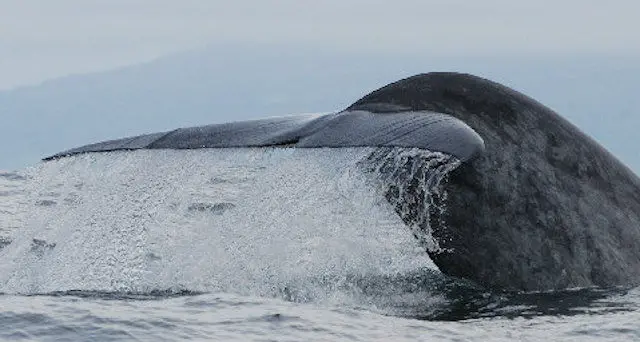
(249, 221)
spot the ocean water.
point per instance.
(251, 245)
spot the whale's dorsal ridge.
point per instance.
(445, 92)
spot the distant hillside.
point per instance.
(225, 83)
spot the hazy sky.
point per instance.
(45, 39)
(579, 56)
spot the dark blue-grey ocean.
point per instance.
(249, 244)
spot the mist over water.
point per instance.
(240, 243)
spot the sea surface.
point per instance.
(269, 244)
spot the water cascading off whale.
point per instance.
(535, 204)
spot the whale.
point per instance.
(533, 204)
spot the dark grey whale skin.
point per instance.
(432, 131)
(535, 205)
(544, 207)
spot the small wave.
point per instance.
(150, 295)
(411, 296)
(4, 241)
(12, 176)
(485, 304)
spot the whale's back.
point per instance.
(535, 205)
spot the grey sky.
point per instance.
(45, 39)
